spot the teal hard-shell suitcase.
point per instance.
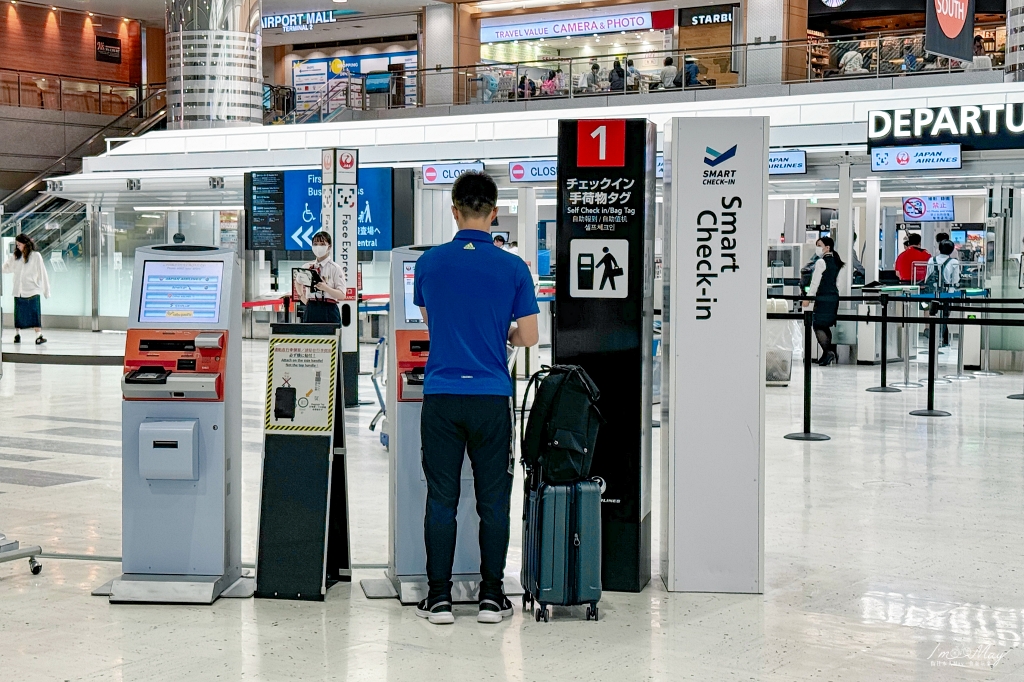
(562, 547)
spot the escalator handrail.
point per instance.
(41, 176)
(33, 207)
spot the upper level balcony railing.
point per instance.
(51, 91)
(834, 59)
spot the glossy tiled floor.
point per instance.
(892, 551)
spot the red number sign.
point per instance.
(601, 143)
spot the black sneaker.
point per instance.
(17, 338)
(40, 340)
(494, 610)
(438, 611)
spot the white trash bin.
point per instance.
(779, 343)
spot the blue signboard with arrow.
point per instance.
(375, 209)
(301, 208)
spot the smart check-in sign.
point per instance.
(447, 173)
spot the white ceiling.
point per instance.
(152, 11)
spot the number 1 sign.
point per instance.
(601, 143)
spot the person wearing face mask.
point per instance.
(322, 301)
(826, 292)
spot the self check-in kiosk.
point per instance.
(181, 429)
(410, 347)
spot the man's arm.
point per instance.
(423, 312)
(525, 333)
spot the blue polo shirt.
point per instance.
(472, 291)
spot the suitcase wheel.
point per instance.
(542, 613)
(537, 615)
(592, 612)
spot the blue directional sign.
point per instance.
(375, 209)
(301, 208)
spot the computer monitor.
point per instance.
(412, 311)
(181, 292)
(888, 277)
(958, 236)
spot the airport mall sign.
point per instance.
(973, 127)
(301, 21)
(563, 28)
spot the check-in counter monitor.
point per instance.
(409, 342)
(181, 421)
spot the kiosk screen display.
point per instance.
(412, 311)
(181, 292)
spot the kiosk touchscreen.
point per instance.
(410, 346)
(181, 429)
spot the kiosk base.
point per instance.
(411, 589)
(174, 589)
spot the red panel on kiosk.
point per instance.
(409, 355)
(175, 350)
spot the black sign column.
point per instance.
(604, 318)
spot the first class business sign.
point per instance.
(973, 127)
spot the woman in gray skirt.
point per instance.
(30, 281)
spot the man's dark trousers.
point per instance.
(450, 426)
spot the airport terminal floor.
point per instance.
(891, 551)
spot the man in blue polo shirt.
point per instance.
(470, 292)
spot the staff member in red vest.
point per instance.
(912, 254)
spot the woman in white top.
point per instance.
(322, 302)
(30, 280)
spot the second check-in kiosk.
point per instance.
(409, 345)
(181, 429)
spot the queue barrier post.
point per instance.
(883, 386)
(807, 434)
(960, 376)
(931, 411)
(986, 349)
(908, 329)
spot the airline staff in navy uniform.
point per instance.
(470, 291)
(322, 302)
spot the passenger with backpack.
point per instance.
(470, 292)
(943, 277)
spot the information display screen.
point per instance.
(412, 311)
(264, 210)
(181, 292)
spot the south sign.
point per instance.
(988, 126)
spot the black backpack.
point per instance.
(560, 434)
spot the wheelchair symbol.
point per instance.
(307, 215)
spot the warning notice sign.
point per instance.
(300, 384)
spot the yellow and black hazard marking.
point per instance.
(268, 421)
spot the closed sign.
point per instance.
(533, 171)
(446, 173)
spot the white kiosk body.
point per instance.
(181, 428)
(409, 345)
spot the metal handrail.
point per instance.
(42, 175)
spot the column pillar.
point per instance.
(768, 23)
(844, 240)
(214, 64)
(528, 252)
(438, 52)
(873, 227)
(1014, 68)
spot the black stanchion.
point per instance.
(806, 434)
(932, 361)
(884, 386)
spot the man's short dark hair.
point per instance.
(946, 247)
(942, 237)
(499, 238)
(475, 194)
(668, 61)
(914, 239)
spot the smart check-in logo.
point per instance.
(715, 158)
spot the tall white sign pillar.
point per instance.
(712, 396)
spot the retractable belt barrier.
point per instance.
(946, 306)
